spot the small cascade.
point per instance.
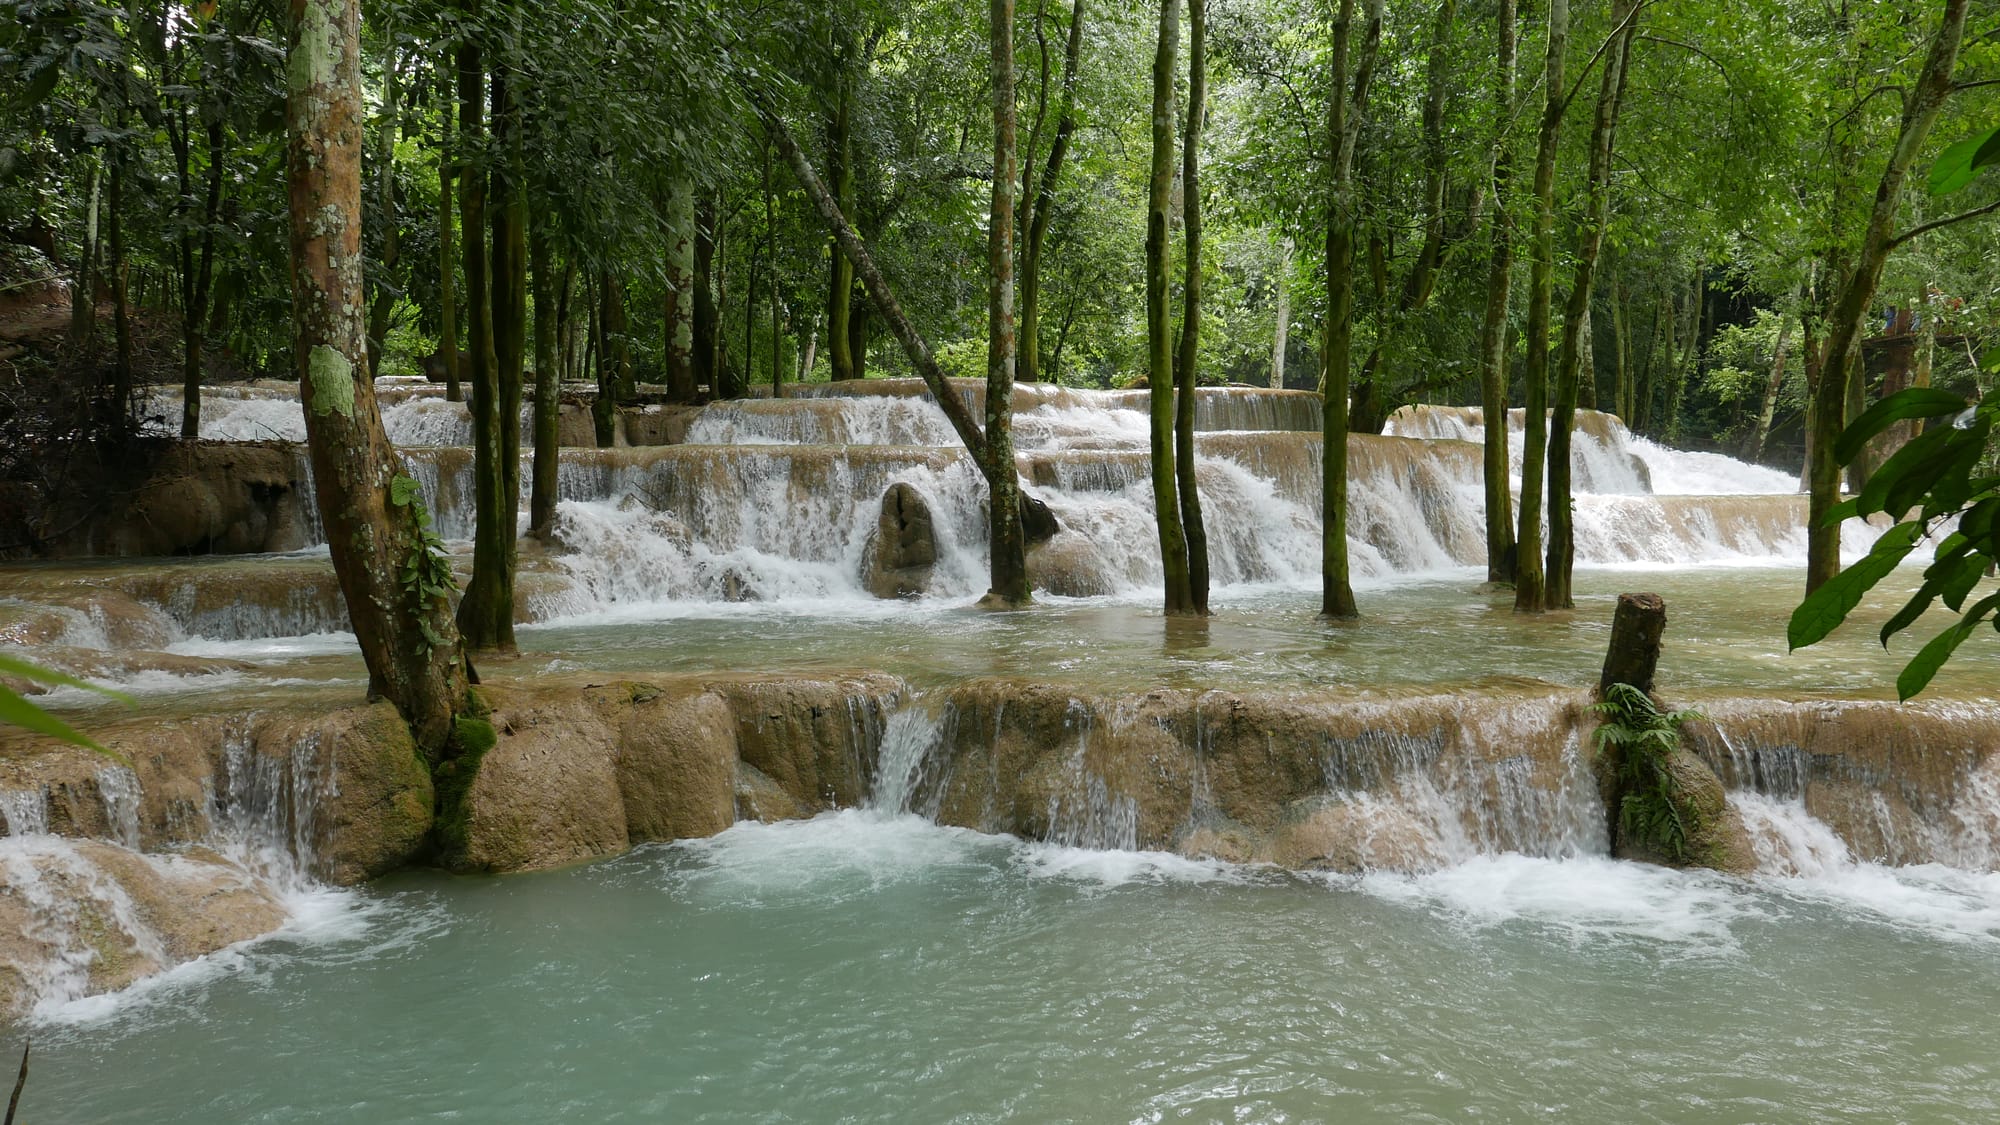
(26, 811)
(119, 788)
(910, 736)
(1787, 840)
(264, 807)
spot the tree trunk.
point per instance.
(678, 313)
(840, 171)
(707, 334)
(1008, 554)
(1556, 592)
(1769, 408)
(1621, 346)
(486, 613)
(1281, 331)
(195, 287)
(1188, 374)
(83, 298)
(406, 634)
(1530, 594)
(1634, 655)
(1159, 339)
(1347, 102)
(383, 304)
(1042, 202)
(448, 350)
(771, 238)
(543, 495)
(1493, 330)
(121, 307)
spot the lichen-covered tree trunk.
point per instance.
(1159, 338)
(1008, 547)
(1921, 106)
(1529, 591)
(678, 310)
(1347, 100)
(1495, 470)
(1190, 355)
(406, 635)
(1042, 203)
(1576, 311)
(542, 493)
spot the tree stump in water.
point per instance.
(1635, 642)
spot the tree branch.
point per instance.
(1931, 226)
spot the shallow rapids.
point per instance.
(875, 968)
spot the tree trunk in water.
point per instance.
(1190, 354)
(1346, 104)
(1281, 331)
(1493, 330)
(678, 314)
(1159, 339)
(1530, 595)
(1042, 204)
(406, 636)
(1634, 655)
(486, 613)
(1008, 555)
(1576, 312)
(543, 495)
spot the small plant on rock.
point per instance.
(1652, 810)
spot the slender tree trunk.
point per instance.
(597, 354)
(83, 298)
(1370, 412)
(1042, 203)
(121, 307)
(1009, 545)
(543, 495)
(1530, 593)
(406, 635)
(1281, 332)
(1621, 348)
(1765, 412)
(771, 239)
(613, 328)
(1689, 359)
(486, 613)
(447, 265)
(195, 288)
(1493, 330)
(1348, 101)
(678, 315)
(1159, 337)
(383, 304)
(707, 326)
(840, 171)
(1190, 357)
(1576, 313)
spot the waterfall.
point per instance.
(909, 738)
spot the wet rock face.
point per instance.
(198, 498)
(904, 548)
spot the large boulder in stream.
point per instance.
(903, 549)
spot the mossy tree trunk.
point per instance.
(1187, 372)
(1351, 76)
(1159, 331)
(1529, 592)
(406, 636)
(1576, 311)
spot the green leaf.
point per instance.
(13, 666)
(1921, 461)
(40, 86)
(1917, 674)
(1916, 402)
(1959, 164)
(402, 490)
(1825, 608)
(1840, 513)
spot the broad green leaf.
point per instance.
(1918, 673)
(1959, 164)
(1922, 461)
(1916, 402)
(13, 666)
(402, 490)
(1840, 513)
(1825, 608)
